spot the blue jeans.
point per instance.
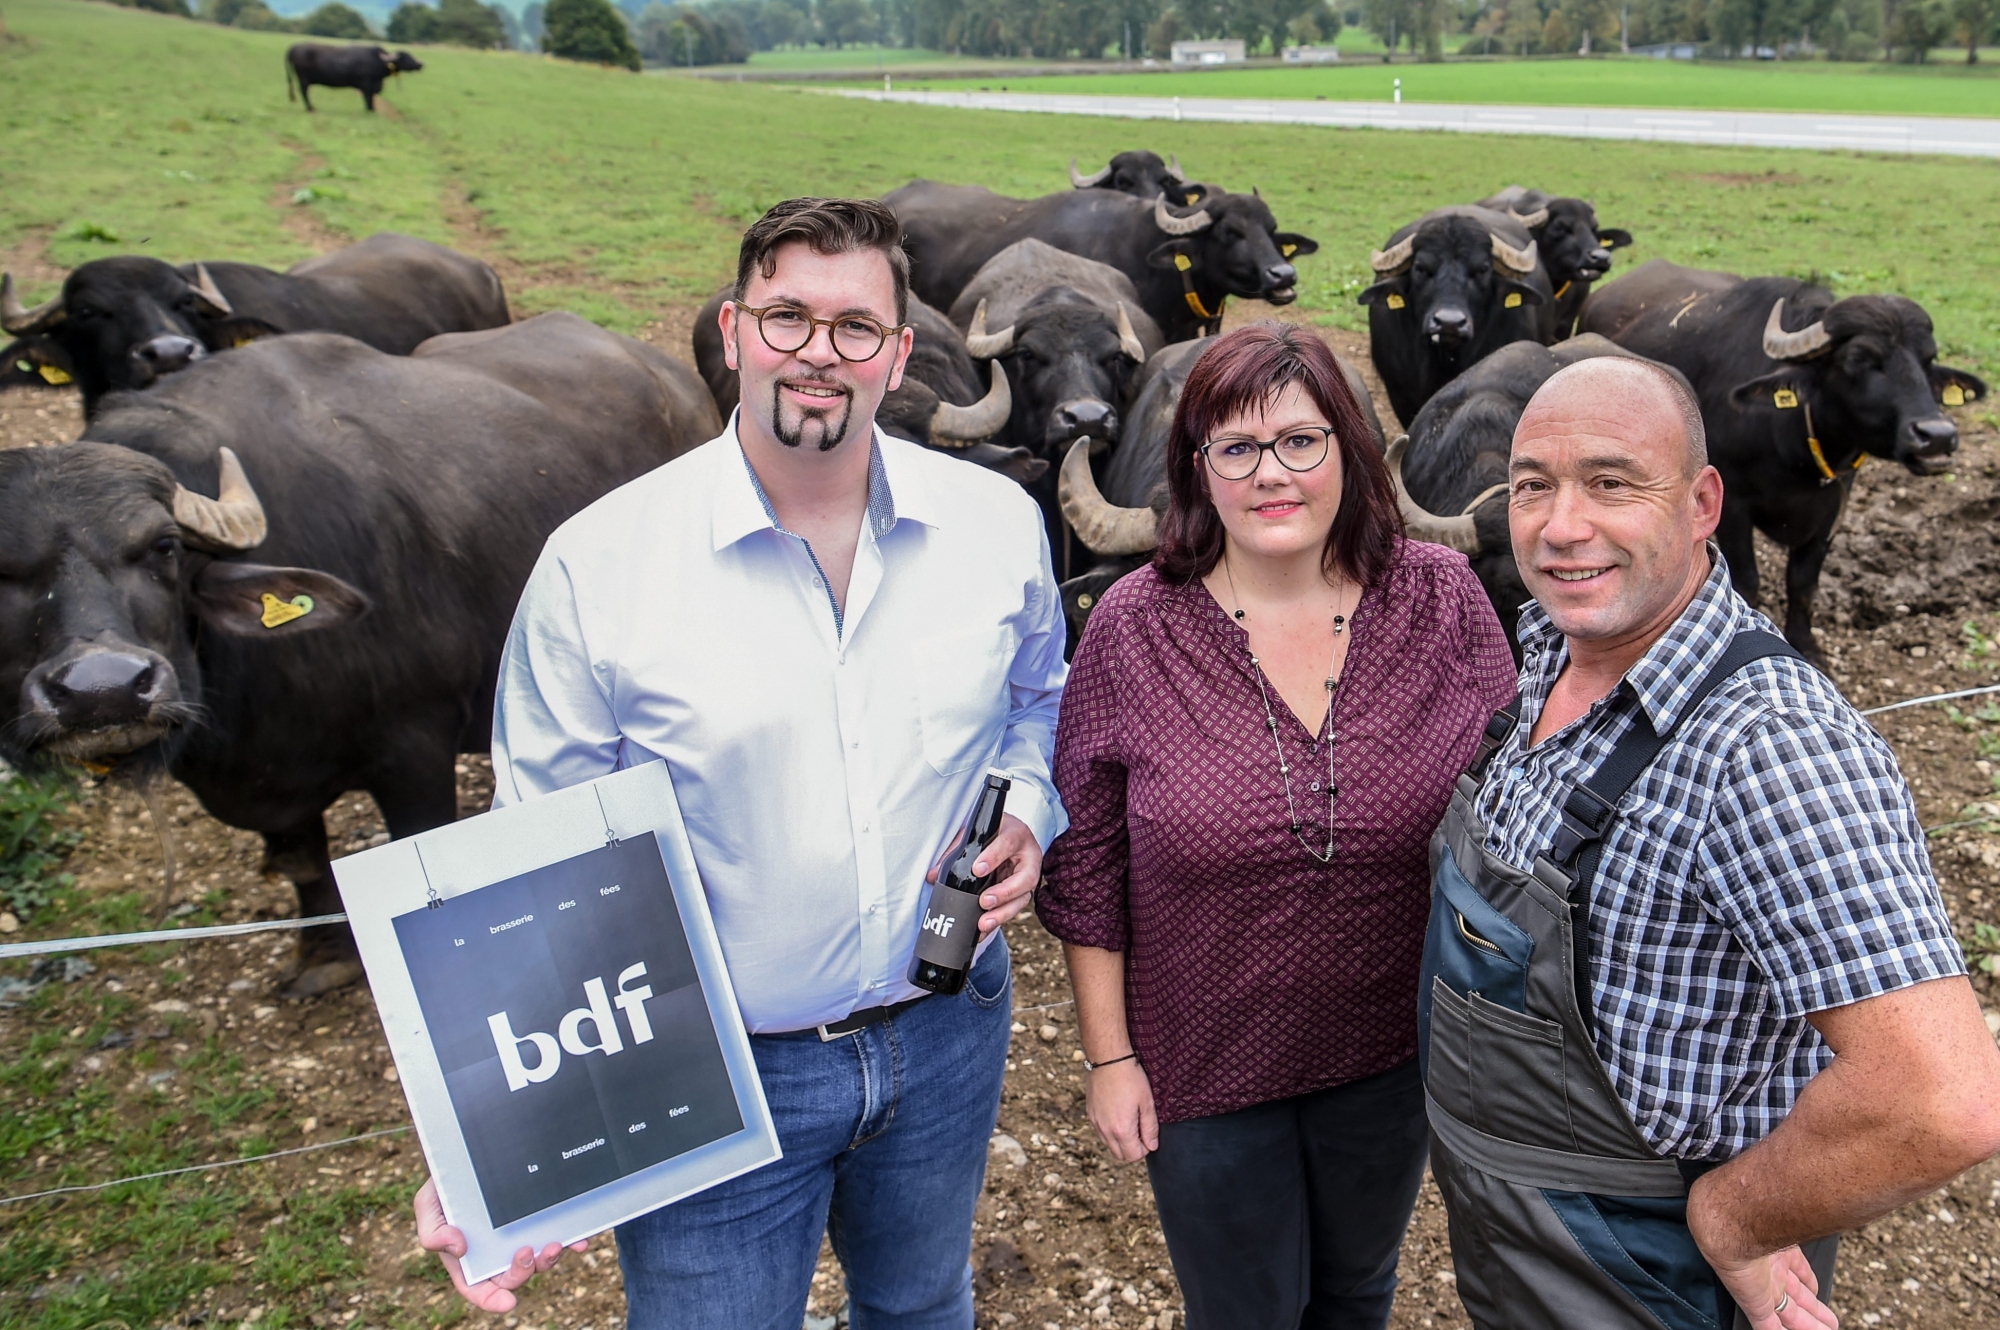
(884, 1133)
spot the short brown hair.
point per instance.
(828, 226)
(1247, 368)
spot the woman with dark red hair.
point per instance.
(1259, 734)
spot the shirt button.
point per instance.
(876, 908)
(855, 744)
(817, 582)
(1314, 787)
(864, 826)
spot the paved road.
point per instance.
(1750, 129)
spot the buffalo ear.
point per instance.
(258, 600)
(234, 330)
(1294, 246)
(1381, 291)
(1614, 237)
(1784, 389)
(35, 362)
(1949, 383)
(1166, 256)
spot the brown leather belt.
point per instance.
(861, 1020)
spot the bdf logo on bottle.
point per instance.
(938, 923)
(569, 1031)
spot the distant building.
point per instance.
(1208, 53)
(1670, 50)
(1311, 55)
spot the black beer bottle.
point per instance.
(949, 933)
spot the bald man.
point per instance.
(1691, 1003)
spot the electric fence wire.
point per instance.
(203, 1168)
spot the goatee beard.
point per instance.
(832, 431)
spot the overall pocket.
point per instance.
(1520, 1089)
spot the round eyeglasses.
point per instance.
(787, 328)
(1236, 457)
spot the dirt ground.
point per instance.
(1064, 1236)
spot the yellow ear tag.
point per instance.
(1513, 300)
(241, 341)
(279, 612)
(52, 375)
(1288, 250)
(1784, 399)
(1085, 601)
(1183, 262)
(1953, 395)
(1193, 199)
(1394, 301)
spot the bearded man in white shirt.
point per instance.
(830, 635)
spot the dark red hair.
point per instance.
(1244, 370)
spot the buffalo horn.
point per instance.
(233, 520)
(1174, 172)
(1804, 344)
(985, 345)
(1457, 532)
(1081, 181)
(962, 426)
(1531, 220)
(213, 302)
(1178, 226)
(1128, 341)
(1102, 526)
(23, 322)
(1394, 259)
(1521, 261)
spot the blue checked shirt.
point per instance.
(1768, 865)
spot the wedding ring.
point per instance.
(1784, 1301)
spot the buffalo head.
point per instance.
(1233, 240)
(1453, 270)
(1866, 370)
(125, 322)
(1573, 247)
(1141, 174)
(402, 62)
(1070, 363)
(107, 563)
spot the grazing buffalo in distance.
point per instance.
(1184, 262)
(1797, 389)
(333, 619)
(125, 322)
(1142, 175)
(1573, 247)
(944, 402)
(1452, 287)
(1453, 469)
(360, 67)
(1119, 523)
(1069, 332)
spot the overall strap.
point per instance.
(1589, 808)
(1503, 723)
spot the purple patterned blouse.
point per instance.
(1252, 971)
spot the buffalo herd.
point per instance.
(282, 559)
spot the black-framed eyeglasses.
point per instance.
(1237, 457)
(787, 328)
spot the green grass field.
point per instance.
(1940, 89)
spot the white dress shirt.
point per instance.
(822, 760)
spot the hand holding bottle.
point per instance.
(1016, 855)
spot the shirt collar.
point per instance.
(1672, 669)
(742, 506)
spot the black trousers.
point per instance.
(1289, 1215)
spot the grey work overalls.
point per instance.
(1561, 1214)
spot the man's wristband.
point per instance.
(1088, 1065)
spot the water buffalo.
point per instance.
(393, 507)
(1142, 175)
(1452, 467)
(362, 67)
(1797, 389)
(944, 402)
(1573, 247)
(1118, 523)
(1184, 262)
(1452, 287)
(127, 321)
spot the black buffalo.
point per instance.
(944, 402)
(1573, 247)
(1184, 262)
(333, 619)
(362, 67)
(1452, 287)
(1142, 175)
(125, 322)
(1453, 476)
(1797, 389)
(1118, 523)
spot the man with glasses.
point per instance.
(830, 635)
